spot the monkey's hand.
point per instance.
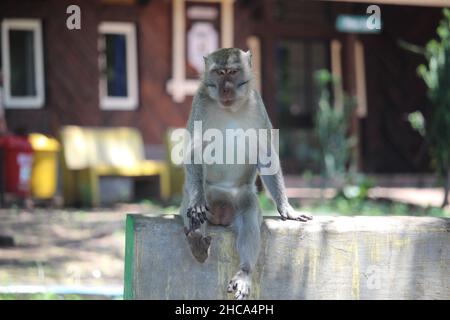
(288, 213)
(196, 215)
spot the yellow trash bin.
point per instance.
(44, 173)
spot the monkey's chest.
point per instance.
(232, 146)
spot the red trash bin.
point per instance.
(17, 159)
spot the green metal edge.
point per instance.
(128, 293)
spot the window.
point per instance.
(297, 60)
(22, 61)
(297, 96)
(118, 66)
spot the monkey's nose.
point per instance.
(227, 87)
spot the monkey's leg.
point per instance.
(248, 240)
(195, 232)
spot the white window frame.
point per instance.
(25, 102)
(131, 101)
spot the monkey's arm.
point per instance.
(193, 209)
(275, 185)
(196, 204)
(194, 183)
(275, 182)
(193, 187)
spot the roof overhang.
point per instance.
(425, 3)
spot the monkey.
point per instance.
(225, 194)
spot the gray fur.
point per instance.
(233, 184)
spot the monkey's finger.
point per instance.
(193, 215)
(242, 292)
(231, 286)
(198, 210)
(198, 216)
(193, 224)
(202, 214)
(207, 240)
(307, 216)
(240, 296)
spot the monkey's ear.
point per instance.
(249, 57)
(205, 59)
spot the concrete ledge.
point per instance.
(328, 258)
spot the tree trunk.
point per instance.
(446, 187)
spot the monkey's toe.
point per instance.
(240, 284)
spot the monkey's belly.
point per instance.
(224, 187)
(227, 177)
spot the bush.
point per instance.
(436, 75)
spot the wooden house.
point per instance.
(136, 63)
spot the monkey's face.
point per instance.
(227, 76)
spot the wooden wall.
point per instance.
(394, 90)
(71, 68)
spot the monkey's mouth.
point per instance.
(227, 102)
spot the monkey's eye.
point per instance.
(220, 72)
(232, 71)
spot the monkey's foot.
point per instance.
(198, 243)
(240, 284)
(288, 213)
(197, 216)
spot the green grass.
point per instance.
(40, 296)
(53, 296)
(340, 205)
(368, 207)
(357, 206)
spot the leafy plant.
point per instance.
(266, 203)
(368, 207)
(436, 75)
(331, 126)
(357, 187)
(417, 122)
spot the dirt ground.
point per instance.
(64, 247)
